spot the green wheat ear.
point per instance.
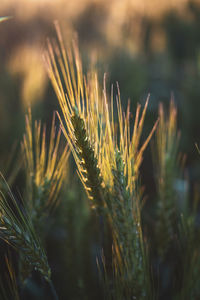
(88, 165)
(46, 167)
(129, 261)
(166, 162)
(17, 230)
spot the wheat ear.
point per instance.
(17, 230)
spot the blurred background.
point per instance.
(147, 46)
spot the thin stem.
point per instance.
(53, 290)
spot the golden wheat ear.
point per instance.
(45, 165)
(108, 166)
(79, 102)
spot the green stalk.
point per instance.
(53, 290)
